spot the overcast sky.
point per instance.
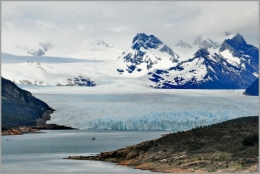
(73, 22)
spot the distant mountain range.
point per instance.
(43, 48)
(234, 65)
(231, 65)
(88, 50)
(203, 64)
(94, 50)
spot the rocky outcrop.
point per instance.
(253, 89)
(31, 129)
(21, 108)
(215, 148)
(18, 130)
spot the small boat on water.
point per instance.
(93, 138)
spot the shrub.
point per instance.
(179, 163)
(250, 140)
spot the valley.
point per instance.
(158, 86)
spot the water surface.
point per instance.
(44, 152)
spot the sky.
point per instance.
(71, 23)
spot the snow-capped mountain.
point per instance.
(95, 50)
(146, 53)
(234, 65)
(101, 42)
(206, 65)
(38, 50)
(57, 74)
(88, 50)
(186, 50)
(184, 44)
(79, 80)
(208, 43)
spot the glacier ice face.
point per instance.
(174, 110)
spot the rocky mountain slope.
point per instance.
(20, 107)
(231, 146)
(253, 89)
(234, 65)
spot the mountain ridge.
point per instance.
(233, 67)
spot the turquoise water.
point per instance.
(44, 152)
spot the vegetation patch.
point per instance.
(231, 146)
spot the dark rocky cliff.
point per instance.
(253, 89)
(21, 108)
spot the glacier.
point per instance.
(143, 109)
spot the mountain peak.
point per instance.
(208, 43)
(184, 44)
(239, 39)
(140, 36)
(145, 41)
(146, 53)
(227, 33)
(105, 43)
(236, 42)
(202, 52)
(99, 42)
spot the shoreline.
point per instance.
(33, 129)
(215, 148)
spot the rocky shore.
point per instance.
(22, 112)
(231, 146)
(32, 129)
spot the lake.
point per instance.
(43, 152)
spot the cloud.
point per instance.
(119, 29)
(73, 22)
(8, 25)
(81, 27)
(45, 24)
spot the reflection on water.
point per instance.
(44, 152)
